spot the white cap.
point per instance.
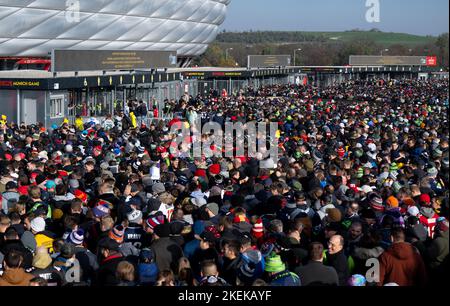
(372, 147)
(38, 224)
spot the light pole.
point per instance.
(385, 50)
(226, 53)
(295, 51)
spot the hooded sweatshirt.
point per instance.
(402, 264)
(15, 277)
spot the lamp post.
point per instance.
(385, 50)
(295, 51)
(226, 53)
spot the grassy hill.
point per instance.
(380, 38)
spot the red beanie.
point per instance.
(258, 229)
(214, 169)
(200, 172)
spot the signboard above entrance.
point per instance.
(90, 60)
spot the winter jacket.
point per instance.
(53, 275)
(106, 273)
(285, 279)
(167, 253)
(45, 239)
(437, 251)
(17, 245)
(339, 262)
(402, 264)
(15, 277)
(88, 263)
(315, 273)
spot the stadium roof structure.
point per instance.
(35, 27)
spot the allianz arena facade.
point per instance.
(32, 28)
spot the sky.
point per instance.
(420, 17)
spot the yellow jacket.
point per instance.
(133, 119)
(45, 241)
(79, 124)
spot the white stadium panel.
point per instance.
(35, 27)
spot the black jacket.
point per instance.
(17, 245)
(167, 253)
(316, 273)
(53, 275)
(106, 274)
(339, 262)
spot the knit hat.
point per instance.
(258, 229)
(162, 230)
(42, 259)
(81, 195)
(135, 216)
(40, 179)
(57, 214)
(392, 201)
(432, 171)
(76, 237)
(393, 167)
(100, 211)
(357, 280)
(50, 184)
(158, 188)
(155, 220)
(214, 169)
(248, 271)
(274, 264)
(210, 234)
(38, 224)
(424, 199)
(376, 203)
(117, 233)
(213, 207)
(333, 215)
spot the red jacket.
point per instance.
(402, 264)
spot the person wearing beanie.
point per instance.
(147, 268)
(278, 275)
(134, 232)
(42, 267)
(167, 252)
(391, 202)
(43, 237)
(87, 259)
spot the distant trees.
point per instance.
(318, 48)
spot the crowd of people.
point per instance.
(358, 196)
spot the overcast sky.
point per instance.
(422, 17)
